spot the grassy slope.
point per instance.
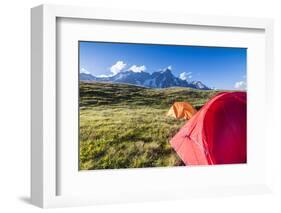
(124, 126)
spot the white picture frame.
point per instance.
(45, 166)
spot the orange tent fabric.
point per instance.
(217, 134)
(181, 110)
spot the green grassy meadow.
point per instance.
(125, 126)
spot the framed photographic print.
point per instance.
(123, 106)
(133, 106)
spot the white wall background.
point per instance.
(15, 98)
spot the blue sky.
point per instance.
(221, 68)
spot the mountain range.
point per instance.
(159, 79)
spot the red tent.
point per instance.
(216, 134)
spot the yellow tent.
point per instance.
(181, 110)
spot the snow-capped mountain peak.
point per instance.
(199, 84)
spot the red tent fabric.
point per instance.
(216, 134)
